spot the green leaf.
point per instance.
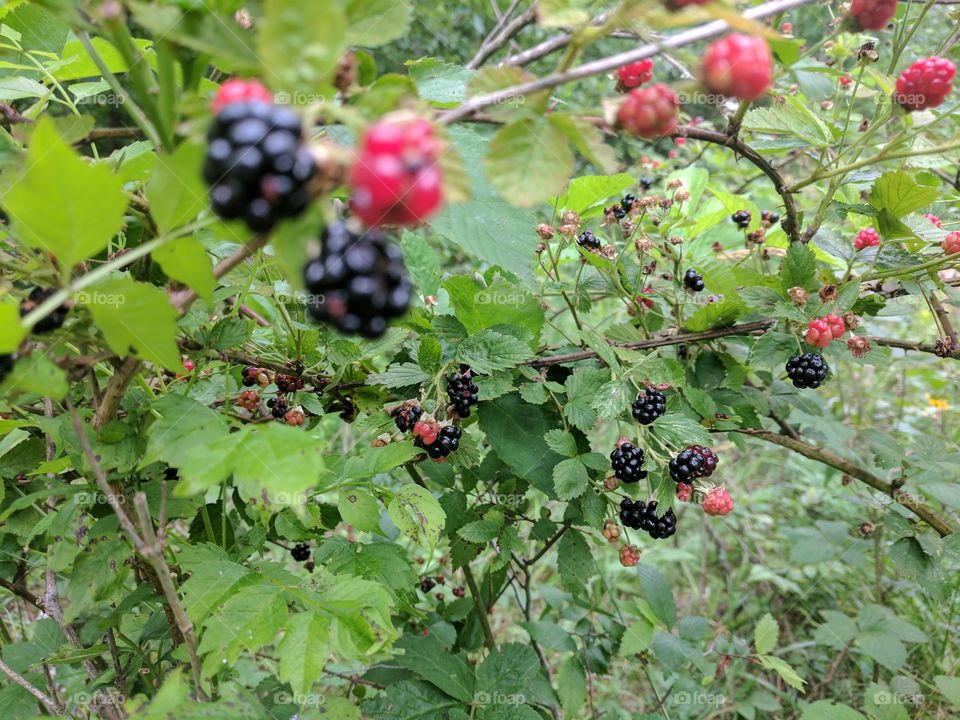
(186, 261)
(783, 669)
(427, 657)
(572, 686)
(575, 562)
(409, 700)
(765, 634)
(482, 531)
(588, 139)
(480, 307)
(560, 441)
(562, 13)
(949, 687)
(799, 267)
(134, 318)
(275, 464)
(60, 203)
(302, 669)
(657, 593)
(676, 430)
(423, 263)
(300, 44)
(790, 118)
(489, 351)
(37, 374)
(176, 192)
(583, 387)
(182, 422)
(589, 191)
(570, 478)
(509, 670)
(547, 161)
(898, 193)
(11, 331)
(443, 83)
(772, 349)
(826, 709)
(249, 619)
(359, 509)
(417, 514)
(637, 638)
(716, 314)
(371, 23)
(401, 375)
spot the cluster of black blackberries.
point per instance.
(405, 416)
(638, 515)
(695, 461)
(278, 407)
(448, 440)
(257, 165)
(769, 217)
(6, 365)
(627, 202)
(358, 282)
(588, 240)
(301, 552)
(627, 461)
(462, 391)
(288, 383)
(648, 406)
(52, 321)
(808, 370)
(692, 280)
(741, 218)
(618, 212)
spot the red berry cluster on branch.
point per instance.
(868, 237)
(822, 331)
(925, 84)
(872, 14)
(650, 112)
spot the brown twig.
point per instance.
(113, 393)
(48, 702)
(502, 32)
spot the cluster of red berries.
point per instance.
(868, 237)
(822, 331)
(257, 165)
(934, 220)
(650, 112)
(248, 400)
(255, 376)
(872, 14)
(396, 179)
(635, 74)
(739, 66)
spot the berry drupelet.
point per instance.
(627, 202)
(358, 282)
(627, 461)
(692, 280)
(648, 406)
(808, 370)
(462, 391)
(257, 166)
(301, 552)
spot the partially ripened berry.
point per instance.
(639, 515)
(425, 432)
(717, 502)
(288, 383)
(629, 555)
(821, 331)
(301, 552)
(447, 441)
(627, 461)
(358, 283)
(396, 179)
(462, 391)
(925, 84)
(951, 243)
(238, 90)
(845, 81)
(611, 531)
(50, 322)
(648, 406)
(405, 416)
(588, 240)
(294, 417)
(692, 462)
(808, 370)
(738, 66)
(635, 74)
(650, 112)
(278, 407)
(257, 166)
(741, 218)
(692, 280)
(249, 400)
(684, 492)
(937, 222)
(769, 217)
(868, 237)
(872, 14)
(836, 324)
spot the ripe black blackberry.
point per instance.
(278, 407)
(646, 183)
(692, 280)
(448, 440)
(648, 406)
(288, 383)
(248, 377)
(769, 217)
(741, 218)
(627, 202)
(618, 212)
(627, 460)
(405, 416)
(808, 370)
(358, 282)
(638, 515)
(301, 552)
(52, 321)
(588, 240)
(257, 165)
(692, 462)
(6, 365)
(462, 391)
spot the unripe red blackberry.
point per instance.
(925, 84)
(448, 441)
(650, 112)
(868, 237)
(951, 243)
(738, 66)
(635, 74)
(872, 14)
